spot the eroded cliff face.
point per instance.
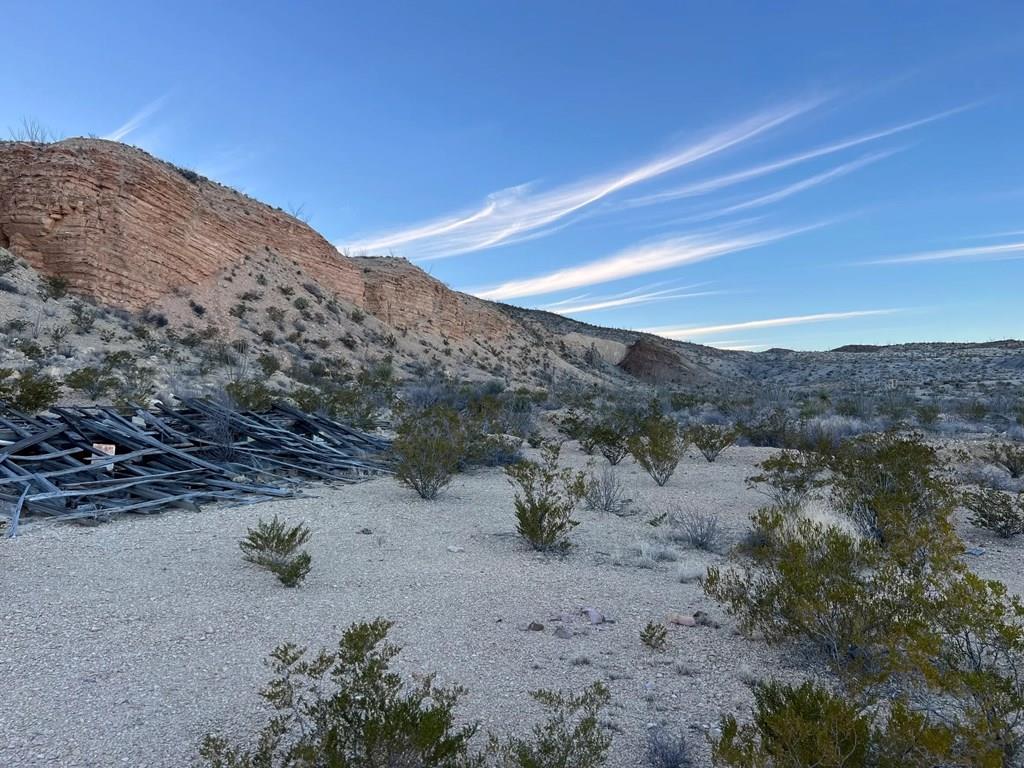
(403, 296)
(129, 229)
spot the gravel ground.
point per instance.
(123, 644)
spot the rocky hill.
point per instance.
(148, 240)
(204, 281)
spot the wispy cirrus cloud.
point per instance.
(518, 213)
(1001, 252)
(717, 183)
(689, 332)
(136, 120)
(637, 260)
(581, 304)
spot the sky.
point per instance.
(746, 175)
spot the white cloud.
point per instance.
(517, 213)
(638, 260)
(1005, 251)
(136, 120)
(670, 332)
(624, 300)
(720, 182)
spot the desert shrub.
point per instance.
(711, 439)
(808, 581)
(654, 636)
(275, 546)
(134, 386)
(53, 287)
(606, 493)
(1010, 456)
(658, 446)
(82, 318)
(545, 498)
(996, 511)
(428, 448)
(32, 391)
(268, 363)
(570, 737)
(301, 303)
(696, 529)
(667, 749)
(578, 428)
(787, 478)
(346, 708)
(889, 486)
(771, 429)
(250, 395)
(927, 414)
(7, 262)
(91, 381)
(796, 727)
(610, 435)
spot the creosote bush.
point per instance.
(657, 445)
(996, 511)
(32, 391)
(931, 655)
(787, 478)
(711, 439)
(1010, 456)
(346, 708)
(545, 498)
(429, 447)
(275, 546)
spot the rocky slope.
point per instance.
(222, 275)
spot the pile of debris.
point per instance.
(89, 464)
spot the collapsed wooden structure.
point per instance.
(89, 464)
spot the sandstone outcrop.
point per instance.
(129, 229)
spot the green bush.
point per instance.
(657, 446)
(654, 636)
(807, 581)
(545, 499)
(91, 381)
(346, 708)
(82, 318)
(275, 546)
(889, 487)
(1010, 456)
(796, 727)
(1001, 513)
(571, 737)
(32, 391)
(429, 447)
(53, 287)
(711, 439)
(788, 478)
(250, 395)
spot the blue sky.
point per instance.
(740, 174)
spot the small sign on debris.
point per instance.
(108, 449)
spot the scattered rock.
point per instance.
(596, 617)
(975, 551)
(453, 548)
(364, 531)
(681, 619)
(704, 620)
(535, 626)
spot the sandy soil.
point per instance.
(122, 645)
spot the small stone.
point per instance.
(975, 551)
(364, 531)
(681, 619)
(595, 616)
(563, 633)
(453, 548)
(535, 626)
